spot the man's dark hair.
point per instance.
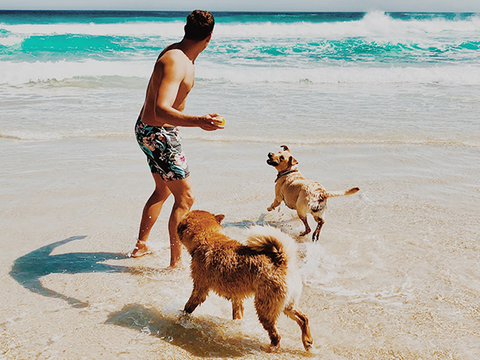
(199, 25)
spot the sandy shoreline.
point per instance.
(69, 215)
(70, 212)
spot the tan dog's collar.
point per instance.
(279, 175)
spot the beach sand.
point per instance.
(394, 275)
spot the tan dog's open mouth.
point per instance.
(270, 160)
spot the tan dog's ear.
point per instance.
(285, 148)
(292, 161)
(219, 218)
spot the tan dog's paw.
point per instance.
(307, 343)
(270, 208)
(303, 233)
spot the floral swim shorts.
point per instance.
(163, 149)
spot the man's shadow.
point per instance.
(28, 269)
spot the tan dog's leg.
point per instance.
(275, 203)
(237, 307)
(302, 321)
(303, 217)
(316, 233)
(198, 296)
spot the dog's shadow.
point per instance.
(28, 269)
(261, 221)
(199, 337)
(284, 225)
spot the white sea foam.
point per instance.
(454, 75)
(374, 24)
(16, 73)
(12, 40)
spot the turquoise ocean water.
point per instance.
(345, 77)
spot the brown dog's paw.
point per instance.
(273, 348)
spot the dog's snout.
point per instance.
(270, 154)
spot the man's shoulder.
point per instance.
(173, 59)
(172, 54)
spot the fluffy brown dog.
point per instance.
(298, 193)
(264, 267)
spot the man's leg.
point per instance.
(182, 190)
(150, 214)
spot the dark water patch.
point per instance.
(197, 336)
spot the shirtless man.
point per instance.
(157, 133)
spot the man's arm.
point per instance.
(173, 72)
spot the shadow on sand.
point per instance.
(261, 221)
(28, 269)
(199, 337)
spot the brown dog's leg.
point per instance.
(268, 310)
(302, 321)
(269, 325)
(316, 233)
(198, 296)
(237, 306)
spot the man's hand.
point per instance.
(209, 123)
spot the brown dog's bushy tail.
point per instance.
(343, 193)
(282, 250)
(278, 246)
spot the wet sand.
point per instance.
(394, 275)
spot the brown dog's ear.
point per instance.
(181, 229)
(285, 148)
(219, 218)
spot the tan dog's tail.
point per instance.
(272, 242)
(343, 193)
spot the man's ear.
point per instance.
(209, 37)
(219, 218)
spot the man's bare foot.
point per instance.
(141, 249)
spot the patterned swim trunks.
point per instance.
(163, 149)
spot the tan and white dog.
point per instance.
(265, 267)
(304, 196)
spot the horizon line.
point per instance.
(255, 11)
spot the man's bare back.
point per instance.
(174, 64)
